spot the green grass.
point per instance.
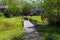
(1, 15)
(11, 22)
(38, 18)
(7, 34)
(49, 32)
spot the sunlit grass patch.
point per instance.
(8, 34)
(15, 22)
(38, 18)
(5, 25)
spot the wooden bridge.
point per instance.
(30, 31)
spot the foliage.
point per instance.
(4, 2)
(17, 29)
(51, 7)
(49, 32)
(26, 8)
(14, 10)
(9, 2)
(14, 2)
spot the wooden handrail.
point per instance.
(33, 21)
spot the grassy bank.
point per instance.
(7, 34)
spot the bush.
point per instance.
(14, 10)
(54, 19)
(53, 9)
(26, 8)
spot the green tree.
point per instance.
(10, 2)
(14, 2)
(14, 10)
(26, 7)
(4, 2)
(51, 7)
(37, 3)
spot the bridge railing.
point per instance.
(33, 21)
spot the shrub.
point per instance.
(51, 7)
(26, 8)
(14, 10)
(54, 19)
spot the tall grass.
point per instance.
(10, 33)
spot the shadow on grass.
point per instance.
(17, 38)
(48, 31)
